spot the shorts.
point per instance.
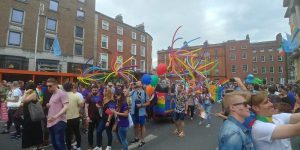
(178, 116)
(140, 120)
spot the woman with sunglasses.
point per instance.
(122, 119)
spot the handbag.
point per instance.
(130, 121)
(36, 111)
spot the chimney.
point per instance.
(119, 18)
(279, 38)
(248, 37)
(140, 27)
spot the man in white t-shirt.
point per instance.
(272, 131)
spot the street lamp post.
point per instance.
(41, 12)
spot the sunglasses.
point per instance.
(242, 103)
(49, 86)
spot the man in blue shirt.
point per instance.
(234, 135)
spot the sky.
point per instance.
(213, 20)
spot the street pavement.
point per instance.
(159, 136)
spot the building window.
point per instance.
(254, 51)
(263, 70)
(133, 49)
(80, 14)
(262, 50)
(280, 69)
(53, 5)
(78, 32)
(270, 49)
(280, 58)
(244, 55)
(143, 51)
(78, 49)
(255, 70)
(120, 45)
(243, 47)
(120, 30)
(105, 25)
(81, 1)
(232, 48)
(216, 53)
(143, 39)
(120, 60)
(271, 69)
(103, 61)
(23, 1)
(51, 25)
(104, 41)
(142, 67)
(133, 63)
(254, 59)
(245, 68)
(133, 35)
(48, 43)
(217, 71)
(272, 79)
(17, 16)
(271, 58)
(232, 56)
(262, 58)
(233, 69)
(14, 38)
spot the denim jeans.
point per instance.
(207, 108)
(57, 133)
(122, 137)
(100, 129)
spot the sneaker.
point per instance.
(142, 144)
(108, 148)
(208, 125)
(97, 148)
(134, 140)
(74, 144)
(191, 118)
(76, 148)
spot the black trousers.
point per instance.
(191, 109)
(15, 120)
(73, 127)
(93, 125)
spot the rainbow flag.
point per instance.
(163, 104)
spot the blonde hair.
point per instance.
(230, 97)
(108, 93)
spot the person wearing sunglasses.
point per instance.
(234, 135)
(270, 130)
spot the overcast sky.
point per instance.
(212, 20)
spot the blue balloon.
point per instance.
(146, 79)
(249, 79)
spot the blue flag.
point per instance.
(288, 44)
(56, 47)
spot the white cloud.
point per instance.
(212, 20)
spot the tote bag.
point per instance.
(36, 111)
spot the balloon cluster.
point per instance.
(251, 80)
(151, 81)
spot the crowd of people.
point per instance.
(255, 116)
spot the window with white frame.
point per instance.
(120, 45)
(271, 58)
(104, 41)
(48, 44)
(78, 32)
(262, 58)
(142, 65)
(263, 70)
(254, 59)
(244, 55)
(232, 56)
(271, 69)
(143, 39)
(78, 49)
(270, 49)
(120, 60)
(133, 63)
(244, 47)
(280, 69)
(254, 51)
(120, 30)
(103, 61)
(280, 58)
(105, 25)
(245, 68)
(14, 38)
(133, 35)
(17, 16)
(51, 24)
(233, 69)
(262, 50)
(272, 79)
(232, 48)
(53, 5)
(80, 14)
(133, 49)
(255, 70)
(143, 51)
(82, 1)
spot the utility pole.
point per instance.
(41, 12)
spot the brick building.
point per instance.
(72, 22)
(118, 38)
(238, 58)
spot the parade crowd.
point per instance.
(255, 117)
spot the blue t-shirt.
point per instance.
(249, 121)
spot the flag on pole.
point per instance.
(56, 47)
